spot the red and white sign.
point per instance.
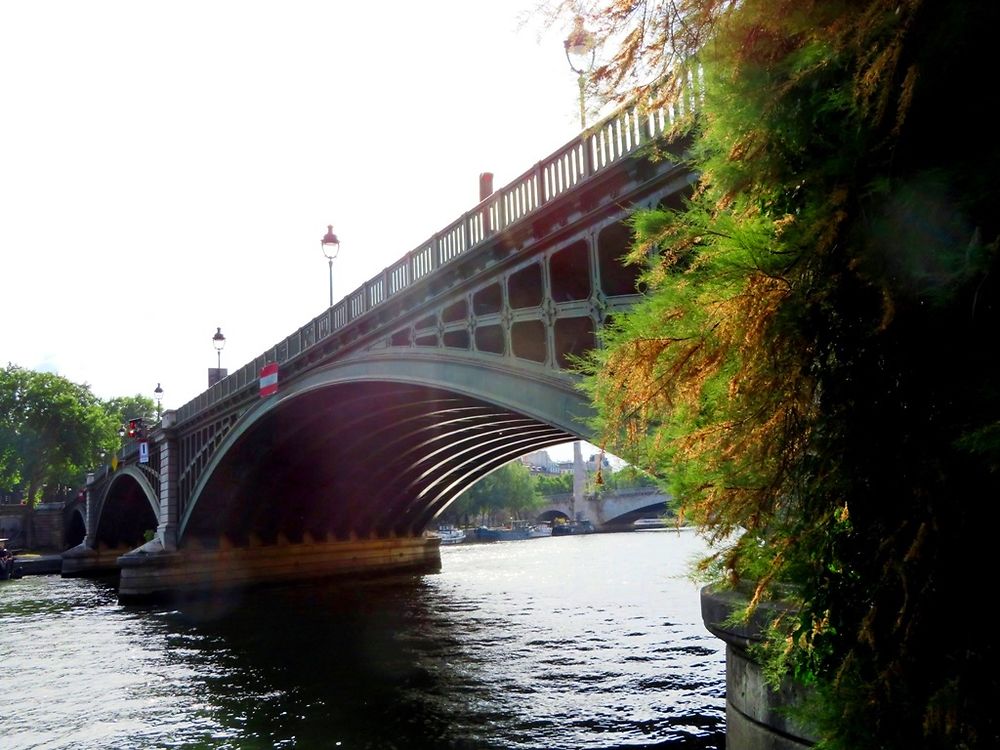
(269, 379)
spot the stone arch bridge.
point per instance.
(612, 510)
(449, 363)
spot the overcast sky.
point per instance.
(170, 168)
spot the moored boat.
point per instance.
(650, 523)
(570, 528)
(450, 534)
(515, 530)
(539, 530)
(6, 562)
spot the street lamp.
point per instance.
(219, 341)
(331, 246)
(158, 395)
(217, 373)
(581, 47)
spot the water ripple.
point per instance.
(589, 643)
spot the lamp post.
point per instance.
(158, 395)
(217, 374)
(330, 246)
(218, 341)
(581, 47)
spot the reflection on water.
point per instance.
(568, 642)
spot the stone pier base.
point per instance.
(756, 715)
(153, 574)
(85, 562)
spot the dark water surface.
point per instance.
(560, 643)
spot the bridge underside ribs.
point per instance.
(370, 460)
(126, 516)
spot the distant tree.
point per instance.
(123, 408)
(554, 484)
(628, 477)
(509, 491)
(51, 432)
(518, 486)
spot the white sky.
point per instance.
(170, 168)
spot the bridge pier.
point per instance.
(83, 561)
(153, 573)
(757, 716)
(165, 440)
(89, 559)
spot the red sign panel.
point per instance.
(269, 379)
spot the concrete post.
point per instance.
(485, 191)
(579, 480)
(90, 512)
(757, 714)
(166, 442)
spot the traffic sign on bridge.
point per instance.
(269, 379)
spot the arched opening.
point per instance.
(127, 516)
(76, 529)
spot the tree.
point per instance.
(811, 363)
(123, 408)
(508, 491)
(628, 477)
(51, 432)
(549, 484)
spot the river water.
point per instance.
(556, 643)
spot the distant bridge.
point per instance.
(444, 366)
(612, 510)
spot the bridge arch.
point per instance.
(127, 509)
(376, 445)
(628, 518)
(75, 527)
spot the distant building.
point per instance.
(592, 462)
(539, 462)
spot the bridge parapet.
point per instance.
(610, 142)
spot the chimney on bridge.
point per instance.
(485, 185)
(485, 191)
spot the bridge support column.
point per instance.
(195, 573)
(166, 442)
(84, 559)
(90, 513)
(756, 714)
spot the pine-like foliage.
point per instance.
(815, 364)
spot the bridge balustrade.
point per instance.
(608, 142)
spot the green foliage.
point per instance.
(507, 492)
(554, 484)
(124, 408)
(51, 432)
(813, 366)
(628, 477)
